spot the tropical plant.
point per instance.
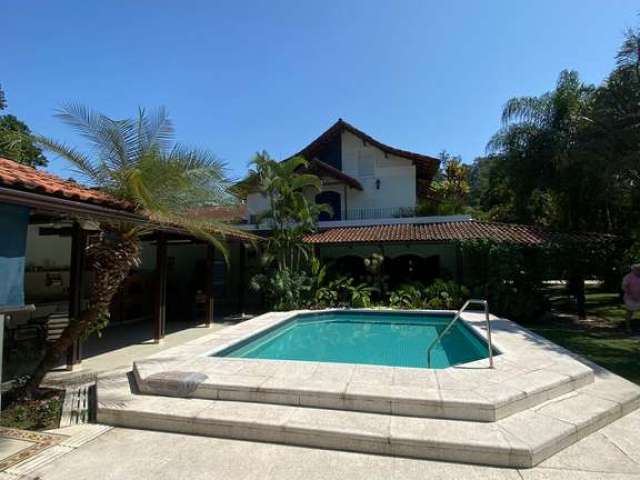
(351, 294)
(407, 296)
(136, 161)
(440, 294)
(286, 259)
(376, 278)
(284, 289)
(450, 188)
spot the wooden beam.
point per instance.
(209, 288)
(160, 300)
(76, 291)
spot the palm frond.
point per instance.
(110, 139)
(82, 164)
(154, 130)
(525, 109)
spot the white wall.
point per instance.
(367, 163)
(257, 203)
(49, 251)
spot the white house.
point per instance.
(362, 178)
(374, 190)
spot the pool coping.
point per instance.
(528, 371)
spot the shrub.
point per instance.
(509, 276)
(441, 294)
(344, 292)
(284, 289)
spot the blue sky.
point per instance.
(241, 76)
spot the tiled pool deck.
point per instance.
(538, 399)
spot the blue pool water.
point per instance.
(376, 338)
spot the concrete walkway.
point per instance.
(613, 453)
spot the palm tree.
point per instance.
(287, 186)
(136, 161)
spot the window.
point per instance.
(333, 200)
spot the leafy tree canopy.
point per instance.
(16, 141)
(568, 159)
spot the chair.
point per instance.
(55, 325)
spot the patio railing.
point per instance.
(359, 214)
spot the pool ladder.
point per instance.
(459, 313)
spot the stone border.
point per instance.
(520, 441)
(529, 370)
(40, 440)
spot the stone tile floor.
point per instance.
(120, 345)
(612, 453)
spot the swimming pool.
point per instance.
(375, 338)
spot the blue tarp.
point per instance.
(14, 221)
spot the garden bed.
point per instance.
(39, 413)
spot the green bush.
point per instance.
(441, 294)
(343, 292)
(284, 289)
(509, 276)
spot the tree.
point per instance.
(451, 187)
(3, 100)
(541, 148)
(16, 143)
(136, 161)
(291, 214)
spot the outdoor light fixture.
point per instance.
(377, 184)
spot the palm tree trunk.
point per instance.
(111, 258)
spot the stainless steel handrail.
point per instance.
(455, 319)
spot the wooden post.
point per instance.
(208, 321)
(160, 304)
(76, 292)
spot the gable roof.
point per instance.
(320, 168)
(22, 177)
(439, 232)
(426, 166)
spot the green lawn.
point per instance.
(602, 338)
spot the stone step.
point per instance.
(476, 394)
(522, 440)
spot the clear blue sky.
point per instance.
(242, 76)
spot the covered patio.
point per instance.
(168, 298)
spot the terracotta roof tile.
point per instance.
(16, 175)
(445, 232)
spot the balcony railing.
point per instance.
(374, 213)
(359, 214)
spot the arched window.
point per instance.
(333, 200)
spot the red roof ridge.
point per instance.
(341, 124)
(446, 231)
(27, 178)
